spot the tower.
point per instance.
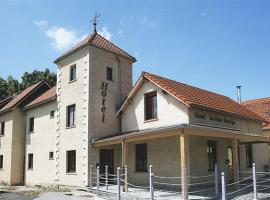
(94, 77)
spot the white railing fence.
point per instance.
(211, 186)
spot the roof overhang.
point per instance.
(176, 130)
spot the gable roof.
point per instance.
(48, 96)
(261, 107)
(97, 41)
(19, 97)
(195, 97)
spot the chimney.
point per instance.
(238, 93)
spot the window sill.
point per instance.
(2, 135)
(31, 132)
(72, 81)
(1, 169)
(151, 120)
(51, 158)
(70, 127)
(71, 173)
(30, 169)
(52, 117)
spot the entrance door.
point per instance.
(106, 157)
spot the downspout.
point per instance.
(24, 156)
(119, 95)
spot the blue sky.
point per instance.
(211, 44)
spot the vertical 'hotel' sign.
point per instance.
(104, 89)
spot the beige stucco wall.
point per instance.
(163, 155)
(12, 147)
(18, 146)
(75, 138)
(118, 89)
(5, 147)
(244, 125)
(169, 110)
(40, 143)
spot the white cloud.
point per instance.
(41, 24)
(204, 13)
(120, 33)
(151, 23)
(61, 38)
(105, 33)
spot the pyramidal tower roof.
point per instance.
(96, 40)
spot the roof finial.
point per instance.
(95, 22)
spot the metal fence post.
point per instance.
(106, 177)
(118, 184)
(126, 178)
(223, 186)
(216, 179)
(185, 184)
(151, 183)
(254, 181)
(97, 180)
(90, 181)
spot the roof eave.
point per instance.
(49, 100)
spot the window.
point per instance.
(141, 157)
(51, 155)
(31, 124)
(1, 161)
(150, 105)
(2, 128)
(71, 116)
(212, 154)
(52, 114)
(72, 75)
(109, 74)
(30, 161)
(249, 155)
(71, 161)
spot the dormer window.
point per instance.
(150, 105)
(72, 76)
(109, 74)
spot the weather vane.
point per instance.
(95, 22)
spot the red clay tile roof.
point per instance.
(196, 97)
(48, 96)
(261, 107)
(100, 42)
(16, 99)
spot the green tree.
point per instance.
(13, 86)
(34, 77)
(3, 89)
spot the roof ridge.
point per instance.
(188, 85)
(256, 100)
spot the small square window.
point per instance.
(30, 161)
(31, 124)
(109, 74)
(52, 114)
(73, 75)
(51, 156)
(1, 161)
(2, 132)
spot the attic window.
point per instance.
(150, 105)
